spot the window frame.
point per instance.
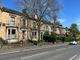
(12, 20)
(10, 34)
(34, 34)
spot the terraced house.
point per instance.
(9, 24)
(14, 27)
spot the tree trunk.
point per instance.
(54, 30)
(39, 25)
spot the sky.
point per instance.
(70, 13)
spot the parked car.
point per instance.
(73, 43)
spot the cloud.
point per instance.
(62, 20)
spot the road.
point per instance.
(57, 53)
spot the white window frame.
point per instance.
(12, 20)
(11, 35)
(34, 35)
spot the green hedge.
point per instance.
(49, 38)
(69, 38)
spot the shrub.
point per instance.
(53, 37)
(3, 42)
(69, 38)
(34, 42)
(46, 38)
(62, 39)
(49, 38)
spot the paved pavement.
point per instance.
(59, 52)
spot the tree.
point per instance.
(40, 9)
(74, 30)
(0, 2)
(58, 23)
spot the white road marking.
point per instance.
(34, 55)
(43, 53)
(30, 50)
(79, 57)
(73, 57)
(23, 50)
(9, 52)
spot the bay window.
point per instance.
(11, 33)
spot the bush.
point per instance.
(3, 42)
(53, 37)
(57, 38)
(34, 42)
(46, 38)
(69, 38)
(49, 38)
(62, 39)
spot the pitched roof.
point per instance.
(10, 11)
(21, 14)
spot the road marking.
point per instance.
(23, 50)
(9, 52)
(79, 57)
(42, 53)
(30, 50)
(39, 54)
(73, 57)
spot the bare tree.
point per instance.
(42, 9)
